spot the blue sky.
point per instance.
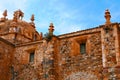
(67, 15)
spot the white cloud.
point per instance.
(69, 19)
(61, 15)
(63, 18)
(68, 29)
(0, 13)
(11, 6)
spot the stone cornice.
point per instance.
(19, 45)
(82, 32)
(28, 43)
(15, 33)
(7, 42)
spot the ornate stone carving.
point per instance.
(5, 14)
(41, 35)
(32, 18)
(32, 21)
(18, 15)
(107, 16)
(51, 28)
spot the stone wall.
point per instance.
(48, 62)
(89, 63)
(28, 70)
(110, 50)
(43, 66)
(6, 54)
(60, 58)
(119, 36)
(82, 76)
(109, 45)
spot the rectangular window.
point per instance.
(31, 58)
(83, 48)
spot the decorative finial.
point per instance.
(32, 21)
(51, 24)
(41, 35)
(107, 16)
(32, 18)
(51, 28)
(17, 15)
(21, 14)
(5, 13)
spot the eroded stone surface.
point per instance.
(60, 57)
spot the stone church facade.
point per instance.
(91, 54)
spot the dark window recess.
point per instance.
(31, 58)
(35, 37)
(46, 75)
(1, 56)
(83, 48)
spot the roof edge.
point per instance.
(85, 31)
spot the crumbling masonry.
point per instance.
(91, 54)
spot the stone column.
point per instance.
(103, 49)
(108, 45)
(48, 62)
(117, 43)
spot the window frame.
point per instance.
(83, 45)
(32, 56)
